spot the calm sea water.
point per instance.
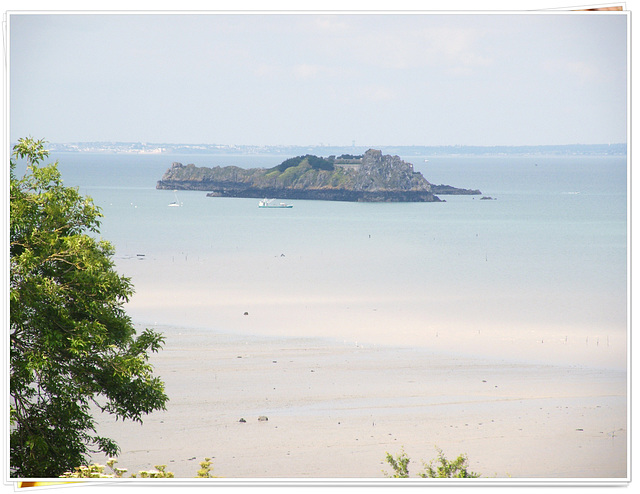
(547, 256)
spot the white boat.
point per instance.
(175, 204)
(268, 203)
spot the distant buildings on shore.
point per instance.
(618, 149)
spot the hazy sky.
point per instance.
(376, 79)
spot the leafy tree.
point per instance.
(72, 346)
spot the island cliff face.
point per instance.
(372, 177)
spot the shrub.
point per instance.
(400, 465)
(448, 469)
(96, 471)
(440, 468)
(205, 469)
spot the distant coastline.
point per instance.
(145, 148)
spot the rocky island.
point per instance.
(371, 177)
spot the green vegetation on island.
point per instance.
(315, 162)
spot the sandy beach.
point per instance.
(334, 409)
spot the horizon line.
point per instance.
(330, 145)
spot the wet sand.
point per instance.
(335, 408)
